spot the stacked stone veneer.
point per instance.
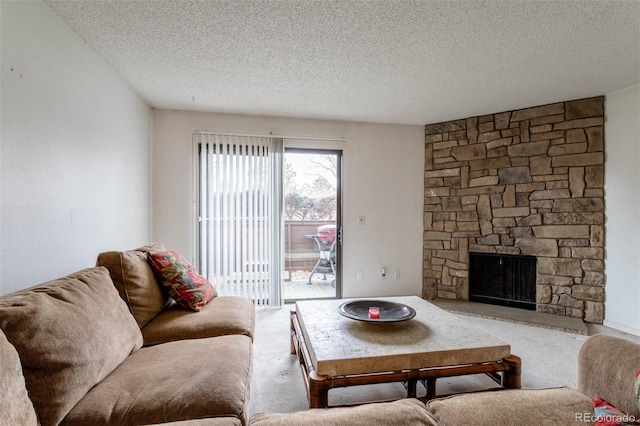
(527, 182)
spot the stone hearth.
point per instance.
(527, 182)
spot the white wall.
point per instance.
(383, 181)
(74, 156)
(622, 198)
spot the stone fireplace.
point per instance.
(526, 182)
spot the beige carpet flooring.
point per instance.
(548, 356)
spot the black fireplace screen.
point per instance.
(505, 280)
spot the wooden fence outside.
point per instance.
(301, 254)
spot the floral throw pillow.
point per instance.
(608, 415)
(181, 280)
(638, 388)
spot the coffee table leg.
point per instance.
(412, 388)
(431, 387)
(511, 376)
(318, 391)
(292, 332)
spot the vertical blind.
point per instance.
(240, 219)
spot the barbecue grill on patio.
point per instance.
(325, 240)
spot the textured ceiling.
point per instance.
(414, 62)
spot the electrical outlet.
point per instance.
(396, 275)
(359, 276)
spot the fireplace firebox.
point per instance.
(505, 280)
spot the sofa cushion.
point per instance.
(559, 406)
(222, 316)
(215, 421)
(181, 280)
(405, 412)
(15, 406)
(176, 381)
(70, 334)
(135, 281)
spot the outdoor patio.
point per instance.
(297, 287)
(301, 255)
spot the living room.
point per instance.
(89, 164)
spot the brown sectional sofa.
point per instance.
(73, 353)
(92, 352)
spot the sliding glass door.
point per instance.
(312, 207)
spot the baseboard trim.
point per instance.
(621, 327)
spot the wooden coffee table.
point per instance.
(335, 351)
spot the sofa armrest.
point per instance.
(607, 367)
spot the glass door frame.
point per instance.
(339, 166)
